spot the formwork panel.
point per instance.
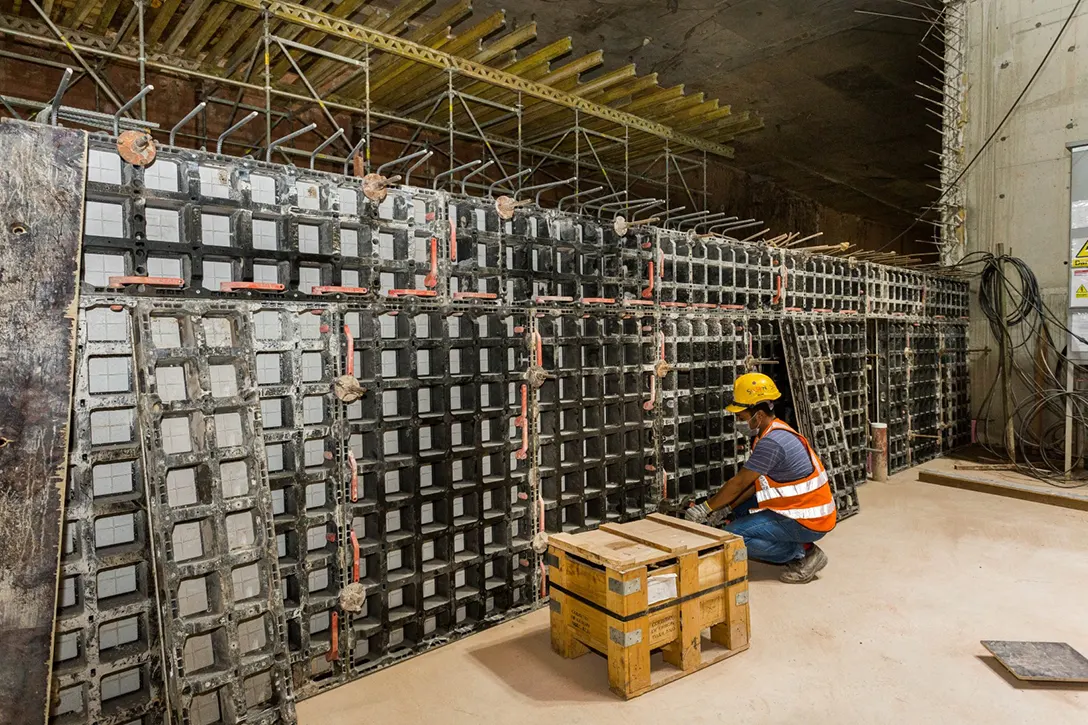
(224, 632)
(107, 665)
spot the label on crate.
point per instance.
(659, 588)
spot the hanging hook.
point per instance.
(354, 152)
(223, 136)
(394, 162)
(188, 117)
(326, 142)
(576, 194)
(416, 165)
(54, 107)
(280, 141)
(511, 177)
(135, 99)
(474, 173)
(454, 170)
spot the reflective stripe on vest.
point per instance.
(795, 489)
(808, 500)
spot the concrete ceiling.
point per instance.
(836, 88)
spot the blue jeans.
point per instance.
(771, 537)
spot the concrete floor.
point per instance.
(889, 633)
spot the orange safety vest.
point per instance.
(807, 501)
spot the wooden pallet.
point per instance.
(629, 590)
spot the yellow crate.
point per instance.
(628, 590)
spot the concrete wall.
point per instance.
(1017, 193)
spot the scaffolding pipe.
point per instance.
(223, 136)
(576, 194)
(416, 165)
(511, 177)
(188, 117)
(470, 174)
(321, 147)
(293, 135)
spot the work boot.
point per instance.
(804, 570)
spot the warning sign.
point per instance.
(1082, 292)
(1080, 259)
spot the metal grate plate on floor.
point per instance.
(1040, 661)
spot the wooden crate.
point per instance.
(628, 590)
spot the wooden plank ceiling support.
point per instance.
(161, 21)
(181, 29)
(463, 43)
(561, 116)
(314, 38)
(78, 13)
(347, 30)
(238, 24)
(330, 76)
(41, 228)
(213, 21)
(533, 118)
(109, 9)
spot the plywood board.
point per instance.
(41, 219)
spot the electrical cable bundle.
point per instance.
(1027, 315)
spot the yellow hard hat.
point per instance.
(752, 388)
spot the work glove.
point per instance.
(698, 513)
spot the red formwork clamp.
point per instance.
(338, 290)
(354, 557)
(251, 287)
(453, 239)
(553, 298)
(661, 264)
(523, 422)
(354, 476)
(649, 404)
(124, 281)
(648, 293)
(475, 296)
(431, 280)
(598, 300)
(334, 645)
(350, 365)
(412, 293)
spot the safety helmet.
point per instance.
(750, 389)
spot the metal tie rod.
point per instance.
(585, 203)
(617, 204)
(188, 117)
(354, 152)
(710, 221)
(576, 194)
(646, 205)
(753, 223)
(454, 170)
(416, 165)
(544, 187)
(729, 225)
(686, 217)
(470, 174)
(321, 147)
(669, 212)
(709, 218)
(280, 141)
(132, 102)
(511, 177)
(394, 162)
(223, 136)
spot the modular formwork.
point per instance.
(317, 433)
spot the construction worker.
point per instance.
(792, 507)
